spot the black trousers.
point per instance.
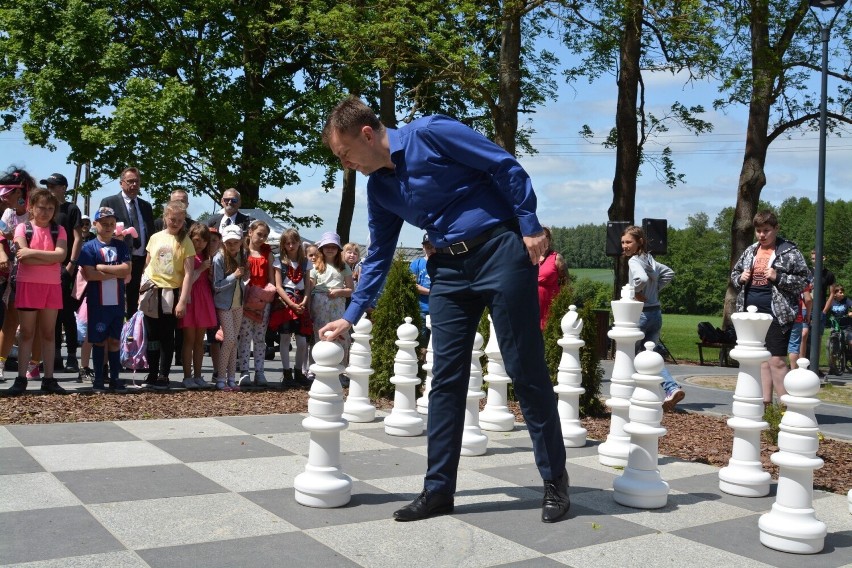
(66, 317)
(131, 290)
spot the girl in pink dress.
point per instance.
(200, 312)
(552, 274)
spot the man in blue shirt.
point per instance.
(477, 205)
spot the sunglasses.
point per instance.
(231, 200)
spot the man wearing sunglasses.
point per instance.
(231, 214)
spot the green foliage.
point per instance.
(773, 413)
(583, 246)
(590, 401)
(553, 329)
(398, 301)
(590, 293)
(592, 372)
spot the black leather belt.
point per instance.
(463, 247)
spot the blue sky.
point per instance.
(572, 177)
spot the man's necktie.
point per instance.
(228, 221)
(134, 222)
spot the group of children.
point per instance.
(228, 288)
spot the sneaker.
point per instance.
(201, 383)
(220, 385)
(673, 397)
(86, 374)
(33, 371)
(189, 383)
(71, 364)
(245, 380)
(118, 387)
(99, 389)
(260, 379)
(232, 384)
(161, 383)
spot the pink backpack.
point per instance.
(134, 343)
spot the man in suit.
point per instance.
(231, 215)
(176, 195)
(133, 211)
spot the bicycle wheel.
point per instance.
(835, 355)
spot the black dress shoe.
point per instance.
(426, 505)
(556, 501)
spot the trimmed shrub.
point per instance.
(398, 301)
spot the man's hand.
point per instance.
(337, 328)
(536, 245)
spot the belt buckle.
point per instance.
(458, 248)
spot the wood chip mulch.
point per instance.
(692, 437)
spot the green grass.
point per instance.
(680, 334)
(593, 274)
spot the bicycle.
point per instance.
(839, 352)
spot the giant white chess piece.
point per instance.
(404, 419)
(625, 332)
(423, 401)
(358, 407)
(792, 525)
(474, 442)
(323, 483)
(496, 416)
(641, 484)
(744, 475)
(569, 380)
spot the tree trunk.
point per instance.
(627, 128)
(505, 113)
(752, 174)
(347, 205)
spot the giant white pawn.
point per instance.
(641, 485)
(569, 380)
(625, 332)
(323, 483)
(358, 407)
(404, 419)
(474, 442)
(496, 416)
(792, 525)
(423, 401)
(744, 475)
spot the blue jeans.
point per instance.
(651, 323)
(497, 274)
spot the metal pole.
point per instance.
(819, 301)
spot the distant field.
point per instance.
(593, 274)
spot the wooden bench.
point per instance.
(724, 351)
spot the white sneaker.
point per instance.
(189, 383)
(673, 397)
(201, 383)
(245, 380)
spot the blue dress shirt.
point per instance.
(448, 180)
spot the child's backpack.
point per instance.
(134, 343)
